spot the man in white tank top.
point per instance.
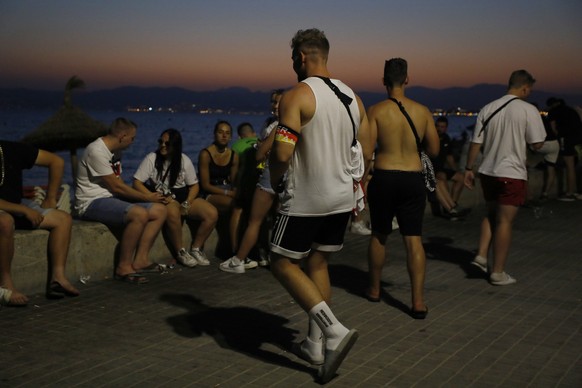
(312, 147)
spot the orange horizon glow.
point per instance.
(212, 46)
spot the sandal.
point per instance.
(132, 278)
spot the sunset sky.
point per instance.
(211, 44)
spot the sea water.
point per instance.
(197, 133)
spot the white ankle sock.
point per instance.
(332, 329)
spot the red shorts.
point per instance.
(504, 191)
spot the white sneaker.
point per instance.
(501, 279)
(309, 351)
(186, 259)
(199, 256)
(250, 264)
(360, 228)
(480, 262)
(232, 265)
(567, 198)
(264, 258)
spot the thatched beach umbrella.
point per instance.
(68, 129)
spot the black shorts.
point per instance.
(295, 236)
(397, 193)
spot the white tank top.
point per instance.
(318, 180)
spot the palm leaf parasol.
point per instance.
(69, 128)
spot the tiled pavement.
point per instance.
(204, 328)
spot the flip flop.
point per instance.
(5, 295)
(152, 268)
(419, 314)
(55, 288)
(132, 278)
(371, 298)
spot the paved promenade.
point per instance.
(204, 328)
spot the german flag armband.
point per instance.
(286, 135)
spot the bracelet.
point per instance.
(468, 168)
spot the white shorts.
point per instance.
(550, 150)
(264, 182)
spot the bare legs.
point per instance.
(141, 229)
(443, 196)
(262, 202)
(416, 264)
(299, 285)
(224, 204)
(458, 185)
(449, 198)
(496, 228)
(485, 238)
(6, 255)
(59, 224)
(376, 260)
(208, 216)
(201, 210)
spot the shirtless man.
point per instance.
(397, 186)
(313, 146)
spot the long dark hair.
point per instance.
(175, 154)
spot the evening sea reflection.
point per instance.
(196, 132)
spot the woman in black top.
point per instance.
(217, 170)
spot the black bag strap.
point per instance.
(494, 113)
(418, 145)
(344, 98)
(165, 174)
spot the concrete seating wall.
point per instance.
(93, 245)
(91, 252)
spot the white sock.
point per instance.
(332, 329)
(314, 333)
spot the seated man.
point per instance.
(445, 169)
(101, 195)
(16, 214)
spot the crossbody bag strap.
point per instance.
(163, 178)
(418, 146)
(494, 113)
(344, 98)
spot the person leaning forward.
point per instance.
(313, 146)
(16, 213)
(102, 196)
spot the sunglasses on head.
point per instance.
(165, 143)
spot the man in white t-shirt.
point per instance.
(101, 195)
(504, 129)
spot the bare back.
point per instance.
(396, 143)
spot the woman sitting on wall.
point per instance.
(172, 173)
